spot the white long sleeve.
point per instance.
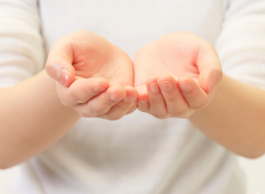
(241, 44)
(138, 153)
(21, 44)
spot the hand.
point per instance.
(95, 77)
(175, 75)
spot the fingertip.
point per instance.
(143, 98)
(100, 84)
(152, 85)
(142, 102)
(185, 84)
(131, 94)
(142, 92)
(131, 91)
(64, 76)
(166, 82)
(116, 92)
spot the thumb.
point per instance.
(59, 63)
(210, 68)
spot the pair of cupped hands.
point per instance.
(173, 76)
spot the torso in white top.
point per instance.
(137, 154)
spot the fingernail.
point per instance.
(98, 89)
(211, 83)
(114, 97)
(128, 99)
(144, 100)
(166, 86)
(185, 87)
(154, 87)
(63, 77)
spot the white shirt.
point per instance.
(137, 154)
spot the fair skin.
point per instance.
(96, 76)
(167, 68)
(71, 65)
(232, 117)
(235, 118)
(60, 107)
(26, 130)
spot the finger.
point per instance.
(83, 89)
(142, 99)
(102, 103)
(133, 108)
(59, 63)
(209, 66)
(175, 103)
(120, 109)
(193, 93)
(156, 99)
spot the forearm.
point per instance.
(235, 118)
(32, 118)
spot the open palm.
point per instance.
(175, 58)
(87, 55)
(96, 76)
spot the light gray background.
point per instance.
(254, 170)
